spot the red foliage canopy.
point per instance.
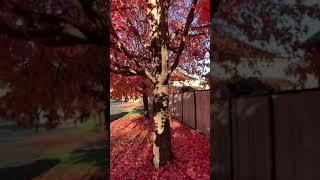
(53, 57)
(130, 30)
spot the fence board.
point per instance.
(221, 132)
(272, 137)
(189, 109)
(172, 107)
(203, 111)
(297, 148)
(178, 107)
(251, 139)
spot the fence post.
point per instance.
(181, 107)
(195, 110)
(172, 110)
(272, 138)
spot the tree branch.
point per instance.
(117, 45)
(53, 30)
(189, 20)
(214, 6)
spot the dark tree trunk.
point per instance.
(36, 123)
(75, 122)
(145, 104)
(98, 119)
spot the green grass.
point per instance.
(8, 125)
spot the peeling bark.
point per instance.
(162, 153)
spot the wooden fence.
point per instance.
(192, 109)
(269, 137)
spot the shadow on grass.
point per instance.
(117, 116)
(95, 155)
(138, 111)
(8, 126)
(28, 171)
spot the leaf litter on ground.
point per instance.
(131, 151)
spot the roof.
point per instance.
(232, 45)
(313, 40)
(179, 76)
(278, 82)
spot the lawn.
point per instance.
(67, 152)
(131, 150)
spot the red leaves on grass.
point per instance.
(131, 151)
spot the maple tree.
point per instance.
(74, 71)
(151, 39)
(46, 79)
(65, 30)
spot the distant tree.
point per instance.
(131, 86)
(46, 77)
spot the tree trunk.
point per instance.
(145, 104)
(97, 118)
(162, 153)
(75, 122)
(37, 123)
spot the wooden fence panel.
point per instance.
(297, 123)
(251, 143)
(272, 137)
(203, 111)
(189, 109)
(178, 107)
(220, 136)
(172, 101)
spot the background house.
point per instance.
(180, 80)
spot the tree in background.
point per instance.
(61, 25)
(46, 79)
(130, 86)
